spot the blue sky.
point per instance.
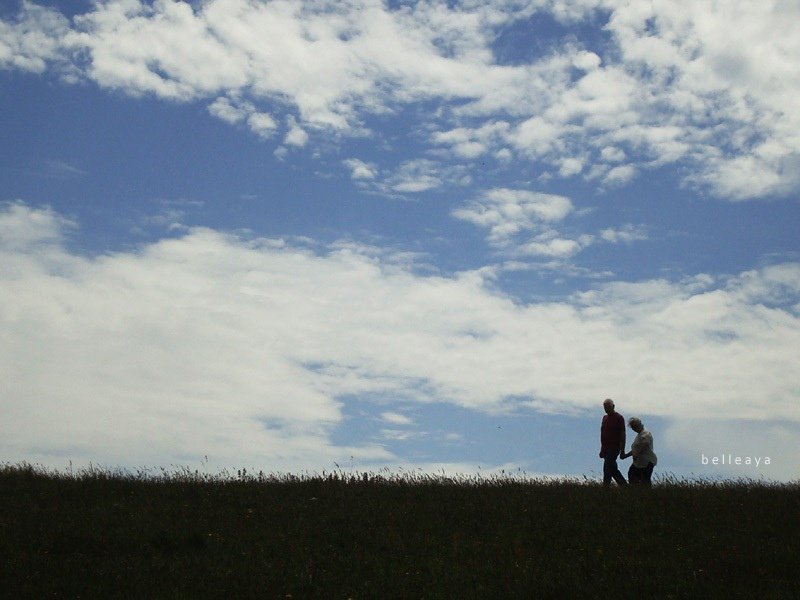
(286, 235)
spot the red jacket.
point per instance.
(611, 432)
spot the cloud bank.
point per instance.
(248, 349)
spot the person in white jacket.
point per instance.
(644, 459)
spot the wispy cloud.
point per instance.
(410, 177)
(420, 175)
(169, 214)
(62, 169)
(396, 418)
(625, 234)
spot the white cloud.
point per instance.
(469, 150)
(396, 418)
(246, 350)
(281, 152)
(513, 216)
(682, 90)
(22, 228)
(230, 113)
(422, 175)
(503, 155)
(570, 167)
(238, 111)
(262, 124)
(329, 59)
(587, 61)
(296, 136)
(415, 176)
(728, 67)
(538, 137)
(619, 175)
(682, 80)
(612, 154)
(745, 177)
(507, 211)
(550, 245)
(523, 223)
(359, 169)
(400, 435)
(472, 143)
(33, 39)
(625, 234)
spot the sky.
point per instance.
(304, 235)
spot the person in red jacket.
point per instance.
(612, 443)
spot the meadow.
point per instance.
(116, 534)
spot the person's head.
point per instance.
(608, 406)
(635, 424)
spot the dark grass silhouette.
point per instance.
(99, 534)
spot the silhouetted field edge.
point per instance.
(183, 474)
(100, 532)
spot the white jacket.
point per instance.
(642, 448)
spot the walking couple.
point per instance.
(612, 445)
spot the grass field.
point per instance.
(186, 535)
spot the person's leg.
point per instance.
(611, 470)
(618, 476)
(633, 475)
(647, 474)
(608, 468)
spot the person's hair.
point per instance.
(608, 401)
(634, 421)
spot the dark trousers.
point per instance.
(642, 476)
(611, 470)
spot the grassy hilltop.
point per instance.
(186, 535)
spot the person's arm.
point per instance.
(601, 438)
(622, 441)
